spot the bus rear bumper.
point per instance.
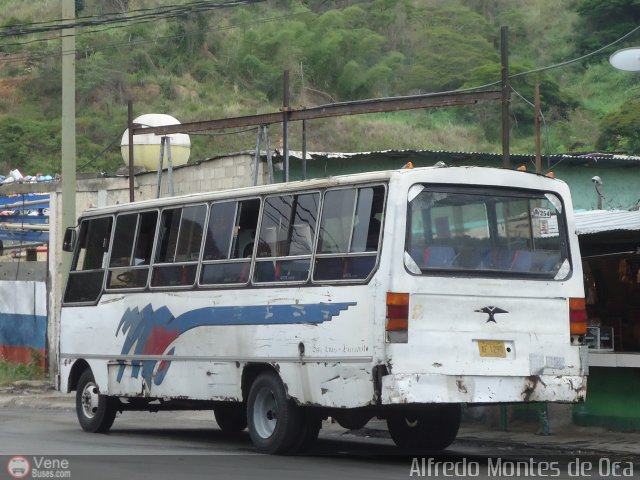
(429, 388)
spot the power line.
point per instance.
(137, 17)
(115, 45)
(574, 60)
(102, 15)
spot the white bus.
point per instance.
(397, 294)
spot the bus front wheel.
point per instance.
(96, 412)
(274, 420)
(431, 428)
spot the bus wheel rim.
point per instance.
(90, 399)
(265, 413)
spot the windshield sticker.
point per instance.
(541, 213)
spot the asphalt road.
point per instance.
(188, 445)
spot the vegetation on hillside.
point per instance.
(229, 62)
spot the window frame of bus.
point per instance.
(234, 238)
(287, 258)
(123, 269)
(517, 193)
(76, 255)
(365, 254)
(156, 266)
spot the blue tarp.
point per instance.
(19, 205)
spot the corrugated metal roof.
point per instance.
(597, 221)
(591, 158)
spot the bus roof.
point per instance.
(275, 188)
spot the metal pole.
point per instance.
(256, 160)
(160, 163)
(269, 160)
(68, 128)
(544, 420)
(285, 124)
(304, 149)
(537, 127)
(170, 166)
(504, 61)
(130, 127)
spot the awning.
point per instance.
(598, 221)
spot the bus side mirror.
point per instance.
(69, 241)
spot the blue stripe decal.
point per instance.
(23, 330)
(151, 332)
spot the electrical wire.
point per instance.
(574, 60)
(546, 130)
(102, 15)
(102, 152)
(142, 42)
(161, 13)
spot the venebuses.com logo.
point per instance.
(38, 467)
(18, 467)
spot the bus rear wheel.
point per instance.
(308, 433)
(231, 418)
(432, 427)
(96, 412)
(274, 420)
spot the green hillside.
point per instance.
(224, 62)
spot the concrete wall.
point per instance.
(216, 174)
(23, 312)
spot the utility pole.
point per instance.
(504, 68)
(68, 126)
(537, 128)
(285, 123)
(130, 130)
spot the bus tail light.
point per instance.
(397, 317)
(577, 318)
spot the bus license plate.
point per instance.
(492, 348)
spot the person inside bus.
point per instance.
(265, 271)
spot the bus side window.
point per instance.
(89, 263)
(285, 238)
(131, 252)
(179, 243)
(350, 230)
(230, 234)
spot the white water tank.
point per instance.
(146, 148)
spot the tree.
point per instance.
(621, 130)
(603, 21)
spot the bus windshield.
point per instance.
(485, 232)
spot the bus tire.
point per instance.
(432, 428)
(353, 418)
(308, 435)
(274, 420)
(95, 412)
(231, 418)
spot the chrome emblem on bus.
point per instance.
(491, 311)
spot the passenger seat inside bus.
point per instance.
(438, 256)
(523, 261)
